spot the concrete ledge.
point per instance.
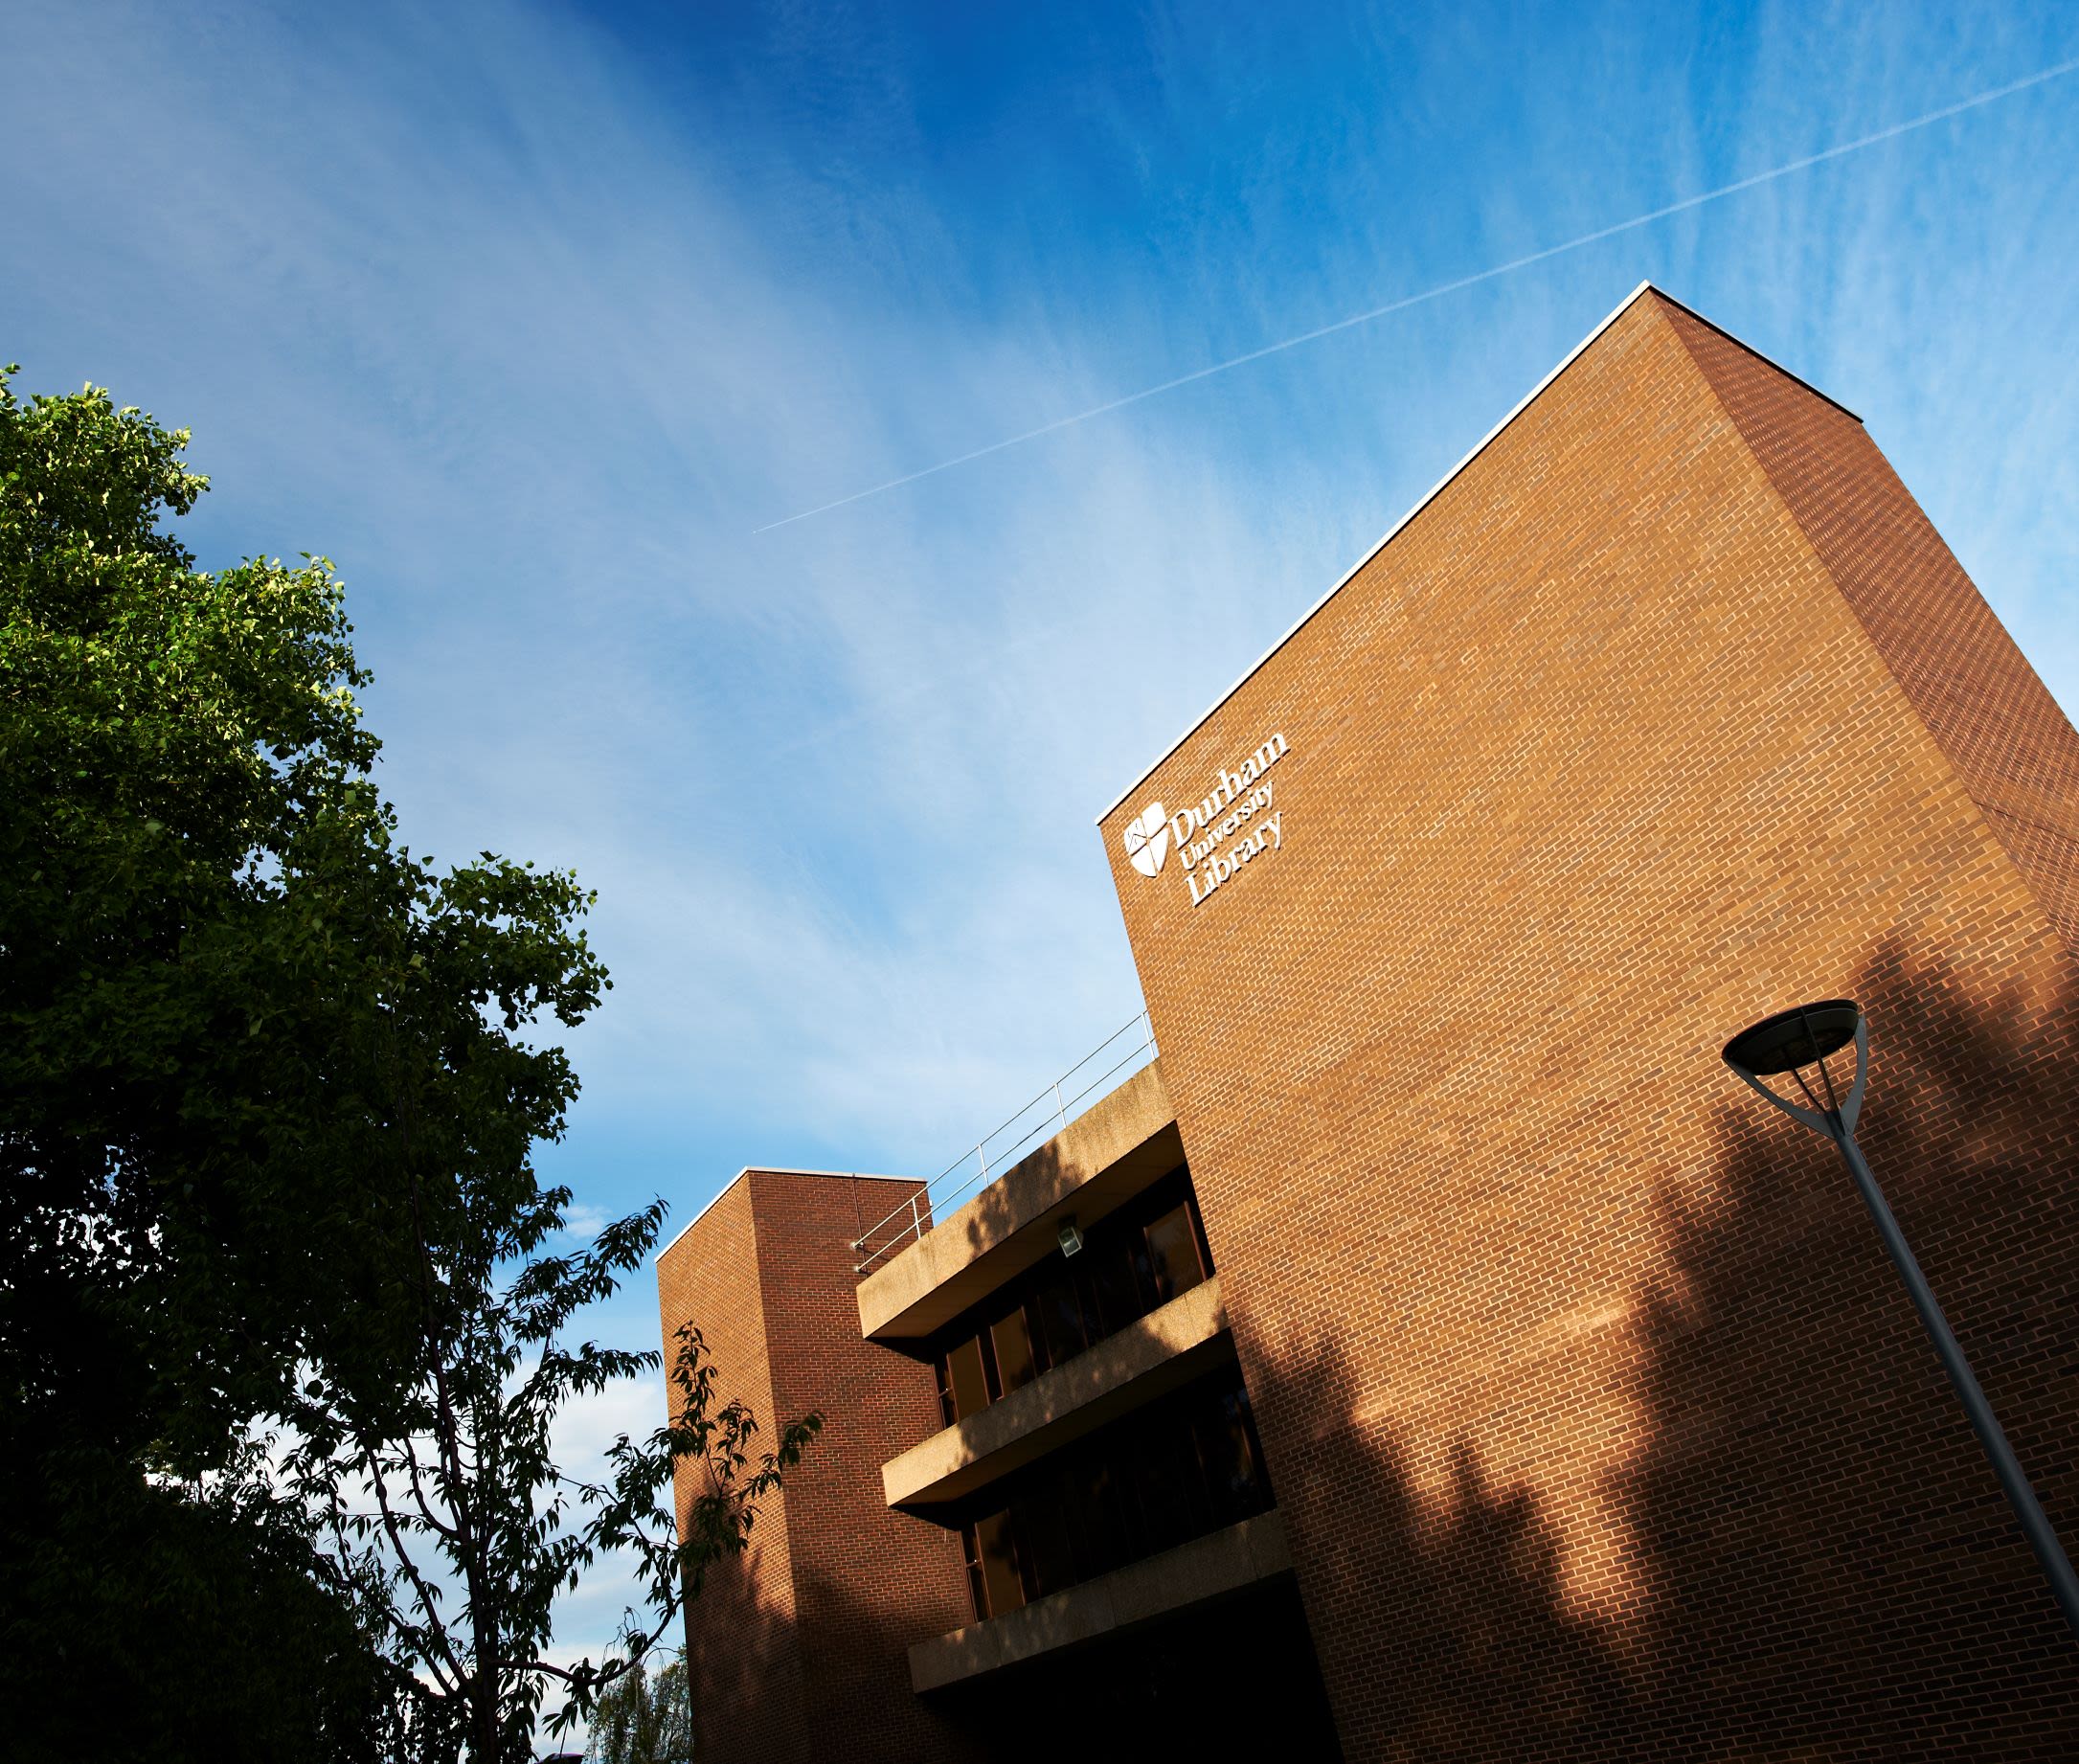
(1160, 1351)
(1097, 1163)
(1206, 1568)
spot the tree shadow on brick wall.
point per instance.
(1825, 1567)
(1440, 1621)
(1835, 1573)
(743, 1671)
(827, 1680)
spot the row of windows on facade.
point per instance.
(1139, 1257)
(1176, 1470)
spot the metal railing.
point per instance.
(994, 1153)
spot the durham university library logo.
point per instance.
(1239, 820)
(1146, 839)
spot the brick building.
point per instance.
(1452, 1362)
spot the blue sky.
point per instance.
(531, 316)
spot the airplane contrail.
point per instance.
(1442, 288)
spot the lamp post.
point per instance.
(1802, 1037)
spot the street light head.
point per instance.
(1794, 1039)
(1803, 1035)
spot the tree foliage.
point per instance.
(154, 1620)
(646, 1718)
(240, 1025)
(466, 1493)
(269, 1089)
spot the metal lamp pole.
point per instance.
(1804, 1036)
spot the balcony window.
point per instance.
(964, 1379)
(1046, 1532)
(1010, 1336)
(1185, 1465)
(1226, 1446)
(1117, 1282)
(993, 1575)
(1143, 1255)
(1059, 1309)
(1175, 1260)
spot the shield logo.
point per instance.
(1146, 839)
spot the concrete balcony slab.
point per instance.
(1097, 1163)
(1158, 1353)
(1212, 1567)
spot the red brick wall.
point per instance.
(744, 1666)
(2001, 730)
(868, 1581)
(808, 1657)
(1600, 1425)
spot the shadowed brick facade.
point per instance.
(799, 1654)
(1598, 1424)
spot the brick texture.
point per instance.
(1600, 1425)
(801, 1651)
(1999, 727)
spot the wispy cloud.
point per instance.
(582, 1219)
(522, 316)
(1457, 285)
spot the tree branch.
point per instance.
(419, 1494)
(432, 1627)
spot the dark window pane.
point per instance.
(977, 1589)
(1060, 1314)
(1048, 1553)
(969, 1383)
(1014, 1364)
(1198, 1231)
(1173, 1254)
(1001, 1582)
(1113, 1282)
(1084, 1490)
(1231, 1459)
(1170, 1485)
(988, 1366)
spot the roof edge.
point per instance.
(1486, 440)
(770, 1169)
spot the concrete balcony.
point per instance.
(1212, 1567)
(1097, 1163)
(1155, 1354)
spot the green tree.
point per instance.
(214, 983)
(463, 1492)
(203, 1621)
(240, 1025)
(269, 1089)
(647, 1718)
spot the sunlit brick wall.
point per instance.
(1600, 1425)
(1999, 727)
